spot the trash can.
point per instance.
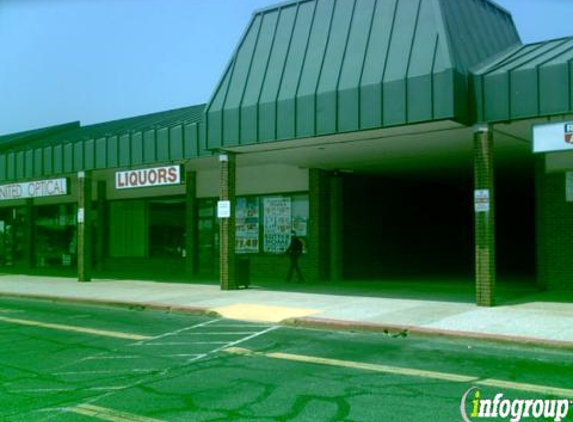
(243, 272)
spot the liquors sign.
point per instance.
(37, 189)
(141, 178)
(553, 137)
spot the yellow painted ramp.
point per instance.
(263, 313)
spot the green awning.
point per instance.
(320, 67)
(162, 137)
(22, 139)
(316, 67)
(527, 81)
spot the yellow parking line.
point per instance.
(396, 370)
(531, 388)
(76, 329)
(110, 415)
(356, 365)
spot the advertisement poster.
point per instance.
(299, 225)
(277, 224)
(247, 226)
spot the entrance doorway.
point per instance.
(421, 226)
(407, 227)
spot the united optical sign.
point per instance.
(37, 189)
(144, 178)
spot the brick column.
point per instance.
(318, 236)
(335, 227)
(84, 226)
(227, 259)
(484, 216)
(101, 225)
(191, 229)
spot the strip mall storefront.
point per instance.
(51, 223)
(146, 222)
(396, 138)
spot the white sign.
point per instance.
(37, 189)
(569, 186)
(81, 215)
(481, 200)
(223, 209)
(143, 178)
(553, 137)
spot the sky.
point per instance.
(101, 60)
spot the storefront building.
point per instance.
(396, 137)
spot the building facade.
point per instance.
(394, 136)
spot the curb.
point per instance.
(395, 330)
(141, 306)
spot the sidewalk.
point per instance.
(544, 319)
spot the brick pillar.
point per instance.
(227, 259)
(335, 227)
(191, 229)
(29, 234)
(84, 227)
(484, 216)
(101, 225)
(318, 238)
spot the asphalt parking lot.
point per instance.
(67, 362)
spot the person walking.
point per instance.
(294, 251)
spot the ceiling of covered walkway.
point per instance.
(433, 147)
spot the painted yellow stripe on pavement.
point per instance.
(76, 329)
(110, 415)
(356, 365)
(397, 370)
(531, 388)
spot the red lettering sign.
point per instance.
(159, 176)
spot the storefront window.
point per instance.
(55, 236)
(167, 229)
(300, 213)
(267, 221)
(11, 236)
(247, 225)
(128, 236)
(277, 223)
(147, 229)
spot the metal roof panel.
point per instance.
(532, 81)
(342, 65)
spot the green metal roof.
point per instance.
(75, 132)
(22, 138)
(316, 67)
(527, 81)
(153, 138)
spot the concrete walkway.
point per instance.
(431, 308)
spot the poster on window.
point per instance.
(299, 225)
(247, 225)
(277, 224)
